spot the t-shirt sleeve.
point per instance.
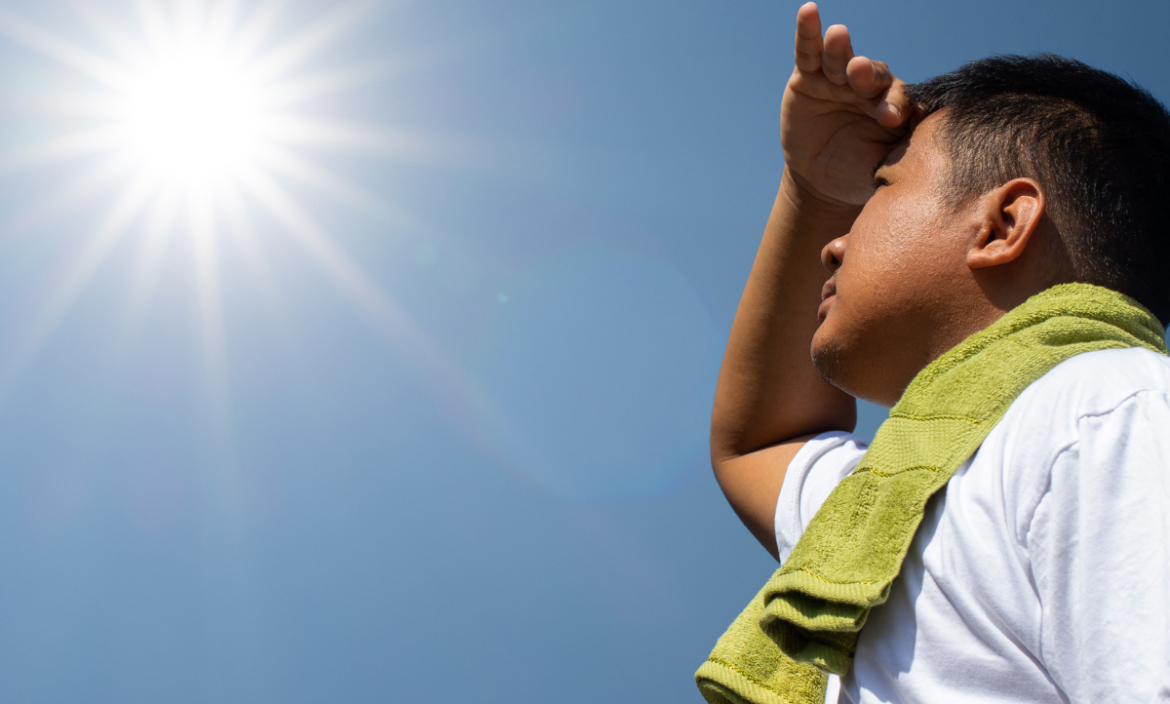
(811, 476)
(1099, 549)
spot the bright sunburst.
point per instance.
(197, 111)
(194, 113)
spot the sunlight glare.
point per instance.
(193, 116)
(204, 125)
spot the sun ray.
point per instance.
(155, 29)
(63, 148)
(127, 49)
(41, 211)
(325, 83)
(207, 290)
(386, 317)
(221, 18)
(84, 62)
(245, 237)
(381, 140)
(157, 230)
(188, 20)
(77, 276)
(251, 35)
(288, 164)
(67, 104)
(455, 392)
(318, 35)
(343, 271)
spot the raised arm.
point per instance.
(840, 115)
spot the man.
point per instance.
(1041, 571)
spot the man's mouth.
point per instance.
(828, 291)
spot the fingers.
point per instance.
(838, 52)
(896, 107)
(872, 79)
(832, 56)
(808, 38)
(868, 79)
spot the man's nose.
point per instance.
(833, 255)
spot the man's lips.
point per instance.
(828, 291)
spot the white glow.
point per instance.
(193, 115)
(202, 117)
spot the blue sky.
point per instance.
(476, 469)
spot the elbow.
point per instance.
(722, 451)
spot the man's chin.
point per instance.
(838, 365)
(829, 362)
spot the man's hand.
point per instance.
(841, 114)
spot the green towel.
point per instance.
(805, 621)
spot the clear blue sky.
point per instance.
(483, 477)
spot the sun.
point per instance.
(194, 115)
(202, 119)
(190, 126)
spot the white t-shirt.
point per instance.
(1042, 572)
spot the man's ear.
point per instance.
(1010, 216)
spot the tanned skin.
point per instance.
(909, 276)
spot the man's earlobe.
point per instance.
(1011, 214)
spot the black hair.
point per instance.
(1097, 144)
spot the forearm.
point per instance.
(770, 397)
(768, 389)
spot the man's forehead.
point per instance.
(916, 140)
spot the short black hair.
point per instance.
(1099, 146)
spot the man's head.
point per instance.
(1098, 146)
(1025, 172)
